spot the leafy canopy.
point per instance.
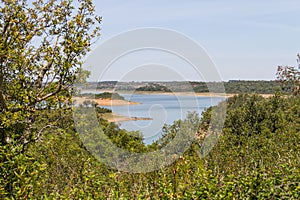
(289, 77)
(42, 44)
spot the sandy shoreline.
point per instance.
(113, 117)
(106, 102)
(202, 94)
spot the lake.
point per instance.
(163, 109)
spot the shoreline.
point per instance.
(114, 117)
(202, 94)
(198, 94)
(106, 102)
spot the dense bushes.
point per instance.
(256, 157)
(258, 153)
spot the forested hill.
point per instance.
(232, 86)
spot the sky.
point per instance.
(246, 40)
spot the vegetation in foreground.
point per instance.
(256, 157)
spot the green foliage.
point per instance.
(132, 141)
(261, 165)
(41, 48)
(260, 137)
(19, 173)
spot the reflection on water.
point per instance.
(164, 109)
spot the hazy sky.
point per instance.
(245, 39)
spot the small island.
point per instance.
(104, 99)
(108, 99)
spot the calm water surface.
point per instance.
(163, 109)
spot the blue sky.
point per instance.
(245, 39)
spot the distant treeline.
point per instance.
(238, 87)
(232, 86)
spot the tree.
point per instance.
(42, 44)
(289, 77)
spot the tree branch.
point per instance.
(2, 100)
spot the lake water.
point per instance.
(163, 109)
